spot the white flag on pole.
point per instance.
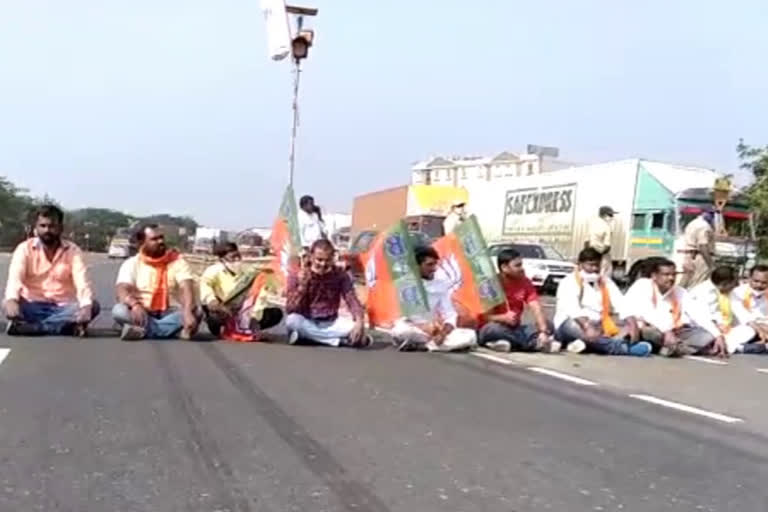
(278, 31)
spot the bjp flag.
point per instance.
(394, 285)
(285, 241)
(464, 262)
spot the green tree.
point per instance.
(755, 160)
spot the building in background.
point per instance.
(460, 171)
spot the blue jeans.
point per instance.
(522, 337)
(160, 326)
(52, 318)
(570, 331)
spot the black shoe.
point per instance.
(21, 328)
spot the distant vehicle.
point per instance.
(542, 263)
(352, 261)
(207, 238)
(120, 248)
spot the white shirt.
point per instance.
(600, 233)
(704, 296)
(640, 304)
(439, 292)
(758, 311)
(311, 228)
(591, 304)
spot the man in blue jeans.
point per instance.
(504, 330)
(586, 302)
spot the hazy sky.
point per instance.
(174, 106)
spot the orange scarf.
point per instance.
(609, 326)
(747, 302)
(677, 314)
(160, 293)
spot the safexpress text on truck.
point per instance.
(654, 201)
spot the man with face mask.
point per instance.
(155, 291)
(48, 290)
(313, 297)
(584, 311)
(750, 307)
(699, 237)
(456, 216)
(668, 318)
(224, 294)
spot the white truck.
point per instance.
(654, 201)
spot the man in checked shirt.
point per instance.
(313, 298)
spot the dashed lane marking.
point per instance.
(562, 376)
(3, 354)
(706, 360)
(490, 357)
(687, 408)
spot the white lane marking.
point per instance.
(3, 354)
(490, 357)
(562, 376)
(706, 360)
(687, 408)
(762, 370)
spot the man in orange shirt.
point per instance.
(48, 290)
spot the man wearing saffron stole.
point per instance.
(714, 297)
(668, 318)
(155, 291)
(234, 304)
(586, 301)
(750, 306)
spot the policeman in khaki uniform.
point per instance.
(699, 238)
(600, 235)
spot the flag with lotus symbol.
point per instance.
(464, 262)
(395, 289)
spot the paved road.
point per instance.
(96, 424)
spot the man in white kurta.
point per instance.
(750, 307)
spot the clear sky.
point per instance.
(174, 106)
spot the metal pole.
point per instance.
(292, 158)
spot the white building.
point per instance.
(462, 171)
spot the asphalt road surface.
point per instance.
(101, 425)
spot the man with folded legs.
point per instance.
(155, 291)
(48, 290)
(750, 307)
(586, 301)
(313, 298)
(439, 333)
(668, 318)
(504, 330)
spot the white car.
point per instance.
(543, 265)
(119, 250)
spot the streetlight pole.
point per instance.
(292, 157)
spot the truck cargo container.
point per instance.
(654, 202)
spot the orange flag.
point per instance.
(395, 288)
(464, 261)
(285, 241)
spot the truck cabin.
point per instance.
(734, 223)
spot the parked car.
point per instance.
(351, 259)
(120, 249)
(543, 264)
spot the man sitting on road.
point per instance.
(439, 333)
(313, 297)
(713, 296)
(586, 301)
(48, 290)
(504, 330)
(155, 291)
(667, 317)
(224, 289)
(750, 307)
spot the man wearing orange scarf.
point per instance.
(586, 302)
(750, 307)
(155, 291)
(668, 317)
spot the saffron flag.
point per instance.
(464, 262)
(394, 285)
(285, 241)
